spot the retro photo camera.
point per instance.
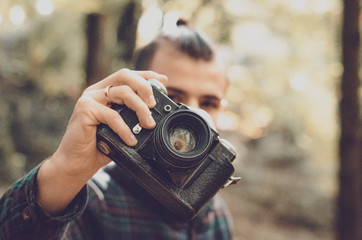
(181, 163)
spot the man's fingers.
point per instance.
(110, 117)
(153, 75)
(133, 101)
(125, 95)
(126, 76)
(136, 80)
(127, 87)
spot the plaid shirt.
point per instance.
(105, 210)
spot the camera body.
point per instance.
(181, 163)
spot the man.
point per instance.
(51, 201)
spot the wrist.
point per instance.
(57, 187)
(74, 169)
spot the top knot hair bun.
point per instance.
(182, 22)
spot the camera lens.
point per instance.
(182, 139)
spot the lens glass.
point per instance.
(182, 139)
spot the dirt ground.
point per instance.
(253, 222)
(279, 196)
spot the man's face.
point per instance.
(196, 83)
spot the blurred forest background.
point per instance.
(284, 59)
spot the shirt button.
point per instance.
(27, 213)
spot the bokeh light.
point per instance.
(17, 15)
(169, 21)
(150, 23)
(228, 121)
(299, 82)
(44, 7)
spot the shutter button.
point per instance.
(27, 213)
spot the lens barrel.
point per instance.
(181, 140)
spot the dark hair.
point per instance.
(185, 39)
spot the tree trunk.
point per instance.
(127, 31)
(349, 223)
(97, 64)
(105, 55)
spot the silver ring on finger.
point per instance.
(106, 93)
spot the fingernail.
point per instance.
(132, 140)
(162, 75)
(152, 101)
(151, 121)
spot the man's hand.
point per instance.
(77, 158)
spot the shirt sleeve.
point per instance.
(214, 221)
(22, 218)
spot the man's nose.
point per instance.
(193, 103)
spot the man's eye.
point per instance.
(210, 105)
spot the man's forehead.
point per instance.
(189, 74)
(187, 92)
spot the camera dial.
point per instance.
(158, 85)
